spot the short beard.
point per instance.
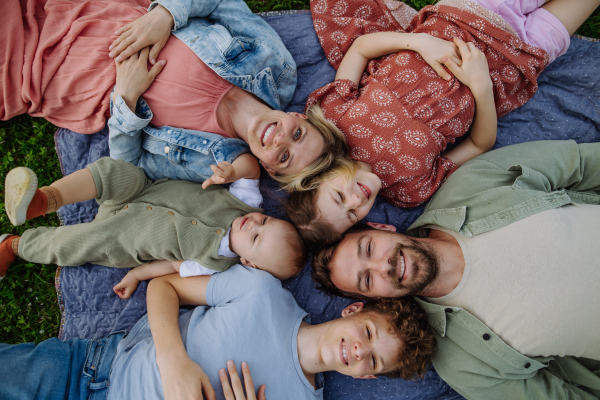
(425, 267)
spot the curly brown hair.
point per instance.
(409, 322)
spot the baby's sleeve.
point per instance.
(247, 191)
(191, 268)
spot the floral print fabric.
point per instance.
(403, 115)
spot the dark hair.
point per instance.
(321, 273)
(409, 322)
(301, 208)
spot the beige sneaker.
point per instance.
(19, 188)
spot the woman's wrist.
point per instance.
(130, 100)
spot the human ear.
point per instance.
(297, 115)
(382, 227)
(365, 377)
(352, 309)
(247, 263)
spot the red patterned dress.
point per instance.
(403, 115)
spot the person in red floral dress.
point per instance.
(409, 84)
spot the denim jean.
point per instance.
(74, 370)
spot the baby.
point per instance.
(140, 220)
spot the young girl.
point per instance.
(400, 112)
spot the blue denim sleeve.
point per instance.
(126, 142)
(125, 130)
(181, 10)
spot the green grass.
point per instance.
(28, 304)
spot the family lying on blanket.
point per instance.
(499, 262)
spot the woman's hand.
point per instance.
(435, 50)
(183, 379)
(238, 392)
(152, 29)
(133, 77)
(474, 71)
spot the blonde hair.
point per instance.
(335, 148)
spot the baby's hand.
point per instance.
(474, 71)
(222, 173)
(127, 286)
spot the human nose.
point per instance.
(354, 201)
(279, 139)
(360, 351)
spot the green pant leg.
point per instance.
(66, 245)
(117, 182)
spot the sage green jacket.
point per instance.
(486, 193)
(140, 220)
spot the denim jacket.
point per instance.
(239, 46)
(487, 193)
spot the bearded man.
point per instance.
(505, 261)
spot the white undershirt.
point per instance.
(536, 282)
(245, 190)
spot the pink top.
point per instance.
(187, 92)
(56, 65)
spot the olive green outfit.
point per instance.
(487, 193)
(140, 220)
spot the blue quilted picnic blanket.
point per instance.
(566, 106)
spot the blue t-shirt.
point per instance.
(250, 318)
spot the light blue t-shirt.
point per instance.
(250, 317)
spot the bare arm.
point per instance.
(245, 166)
(374, 45)
(181, 377)
(154, 269)
(474, 73)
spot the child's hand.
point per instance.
(127, 286)
(222, 173)
(474, 72)
(434, 50)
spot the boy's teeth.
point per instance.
(344, 353)
(268, 134)
(402, 268)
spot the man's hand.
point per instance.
(127, 286)
(222, 173)
(133, 77)
(435, 50)
(152, 29)
(474, 71)
(183, 379)
(238, 391)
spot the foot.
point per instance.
(19, 189)
(7, 255)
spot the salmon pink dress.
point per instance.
(56, 66)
